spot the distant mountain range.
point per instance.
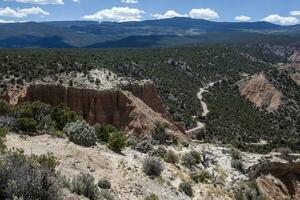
(151, 33)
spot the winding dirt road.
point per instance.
(201, 125)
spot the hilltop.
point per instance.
(150, 33)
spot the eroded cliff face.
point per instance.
(148, 94)
(259, 91)
(278, 180)
(100, 96)
(136, 112)
(292, 69)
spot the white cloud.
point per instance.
(129, 1)
(5, 22)
(119, 14)
(21, 13)
(42, 2)
(34, 11)
(200, 13)
(9, 12)
(169, 14)
(281, 20)
(295, 13)
(242, 18)
(203, 13)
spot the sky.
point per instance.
(284, 12)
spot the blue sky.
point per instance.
(283, 12)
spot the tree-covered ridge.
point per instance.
(177, 72)
(235, 120)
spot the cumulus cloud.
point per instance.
(42, 2)
(203, 13)
(129, 1)
(119, 14)
(281, 20)
(295, 13)
(242, 18)
(169, 14)
(199, 13)
(21, 13)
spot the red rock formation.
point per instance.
(259, 91)
(278, 180)
(122, 109)
(148, 94)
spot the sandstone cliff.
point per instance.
(100, 96)
(259, 91)
(120, 108)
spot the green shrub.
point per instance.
(81, 133)
(83, 184)
(159, 152)
(103, 132)
(132, 141)
(36, 110)
(186, 188)
(238, 165)
(116, 141)
(62, 115)
(46, 123)
(27, 125)
(23, 178)
(196, 156)
(235, 154)
(144, 146)
(171, 157)
(60, 134)
(236, 160)
(160, 134)
(152, 166)
(9, 123)
(105, 195)
(151, 197)
(3, 133)
(200, 135)
(5, 108)
(103, 183)
(190, 159)
(200, 176)
(47, 160)
(247, 190)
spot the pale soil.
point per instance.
(125, 171)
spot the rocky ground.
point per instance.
(98, 79)
(125, 172)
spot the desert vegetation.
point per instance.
(231, 119)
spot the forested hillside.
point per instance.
(178, 73)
